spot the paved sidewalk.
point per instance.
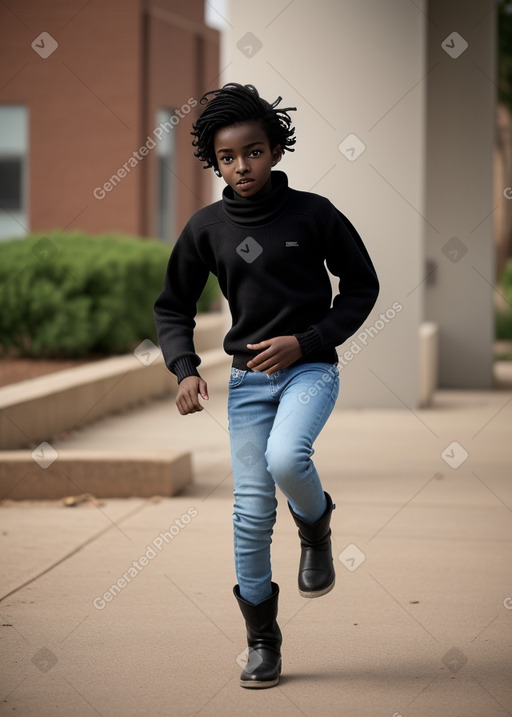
(419, 623)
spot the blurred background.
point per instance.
(403, 120)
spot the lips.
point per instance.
(244, 181)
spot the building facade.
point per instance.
(96, 106)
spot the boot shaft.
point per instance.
(263, 639)
(315, 534)
(316, 568)
(261, 620)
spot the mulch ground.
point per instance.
(14, 370)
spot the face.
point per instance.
(245, 159)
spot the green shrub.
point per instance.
(503, 322)
(70, 295)
(504, 326)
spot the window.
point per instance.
(10, 183)
(13, 179)
(166, 167)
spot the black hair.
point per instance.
(233, 104)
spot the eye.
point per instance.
(226, 159)
(256, 153)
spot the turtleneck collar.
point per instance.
(257, 210)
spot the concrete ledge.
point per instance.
(117, 474)
(210, 330)
(42, 409)
(47, 407)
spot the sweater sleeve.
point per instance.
(348, 259)
(176, 306)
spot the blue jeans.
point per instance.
(273, 423)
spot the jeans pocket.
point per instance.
(236, 377)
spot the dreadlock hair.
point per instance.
(233, 104)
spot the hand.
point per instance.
(275, 354)
(189, 390)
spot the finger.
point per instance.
(255, 363)
(265, 366)
(265, 357)
(193, 403)
(261, 345)
(183, 405)
(203, 390)
(181, 408)
(262, 356)
(188, 403)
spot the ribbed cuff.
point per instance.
(183, 367)
(309, 341)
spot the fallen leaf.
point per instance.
(71, 501)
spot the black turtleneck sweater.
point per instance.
(269, 255)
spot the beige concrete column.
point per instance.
(356, 73)
(459, 199)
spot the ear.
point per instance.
(277, 154)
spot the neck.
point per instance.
(260, 209)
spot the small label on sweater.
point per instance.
(292, 243)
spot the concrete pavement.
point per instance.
(125, 607)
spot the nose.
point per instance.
(241, 165)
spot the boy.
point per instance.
(268, 245)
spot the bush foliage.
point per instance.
(71, 295)
(504, 314)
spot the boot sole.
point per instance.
(259, 685)
(317, 593)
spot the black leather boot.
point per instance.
(264, 640)
(316, 569)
